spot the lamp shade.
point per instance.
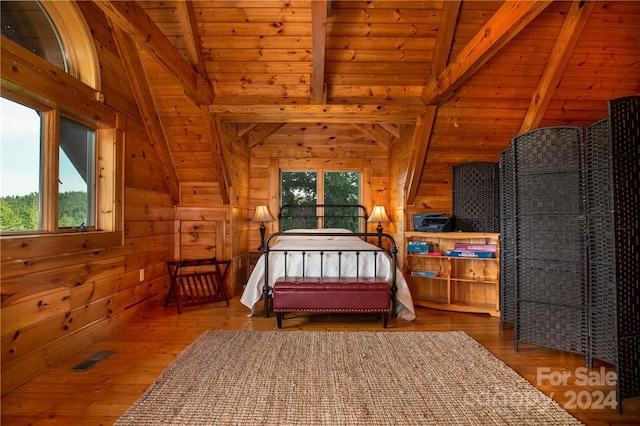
(262, 214)
(379, 215)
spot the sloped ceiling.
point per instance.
(466, 76)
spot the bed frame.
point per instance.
(316, 216)
(337, 292)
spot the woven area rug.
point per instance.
(341, 378)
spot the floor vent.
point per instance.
(90, 362)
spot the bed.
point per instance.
(326, 241)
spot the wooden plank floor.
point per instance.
(144, 348)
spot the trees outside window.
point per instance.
(39, 147)
(302, 188)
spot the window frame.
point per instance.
(318, 165)
(28, 79)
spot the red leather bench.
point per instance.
(327, 294)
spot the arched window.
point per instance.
(55, 31)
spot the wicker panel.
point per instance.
(553, 326)
(476, 197)
(477, 224)
(552, 282)
(507, 239)
(613, 201)
(624, 114)
(626, 190)
(600, 231)
(551, 238)
(550, 193)
(604, 345)
(629, 367)
(549, 150)
(550, 246)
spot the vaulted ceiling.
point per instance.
(463, 76)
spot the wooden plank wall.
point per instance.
(54, 306)
(330, 147)
(399, 159)
(206, 227)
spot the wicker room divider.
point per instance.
(570, 240)
(550, 240)
(613, 205)
(507, 239)
(476, 192)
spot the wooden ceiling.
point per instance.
(463, 76)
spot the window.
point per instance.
(60, 155)
(307, 188)
(27, 160)
(28, 24)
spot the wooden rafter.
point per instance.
(506, 23)
(186, 16)
(405, 114)
(135, 22)
(422, 135)
(212, 126)
(417, 159)
(187, 20)
(260, 132)
(558, 59)
(134, 69)
(318, 35)
(376, 132)
(392, 128)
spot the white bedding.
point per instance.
(348, 264)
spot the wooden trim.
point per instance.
(216, 136)
(133, 20)
(148, 111)
(574, 23)
(399, 114)
(77, 39)
(31, 76)
(505, 24)
(21, 247)
(420, 140)
(318, 35)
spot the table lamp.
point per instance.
(379, 215)
(262, 215)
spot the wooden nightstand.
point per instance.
(253, 259)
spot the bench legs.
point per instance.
(280, 317)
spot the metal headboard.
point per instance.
(316, 216)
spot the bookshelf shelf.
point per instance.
(464, 284)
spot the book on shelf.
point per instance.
(418, 247)
(430, 274)
(470, 254)
(492, 248)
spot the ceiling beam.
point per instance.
(574, 23)
(376, 132)
(405, 114)
(134, 70)
(505, 24)
(215, 135)
(391, 128)
(187, 20)
(418, 156)
(424, 126)
(319, 12)
(260, 132)
(135, 22)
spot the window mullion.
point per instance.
(49, 167)
(320, 190)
